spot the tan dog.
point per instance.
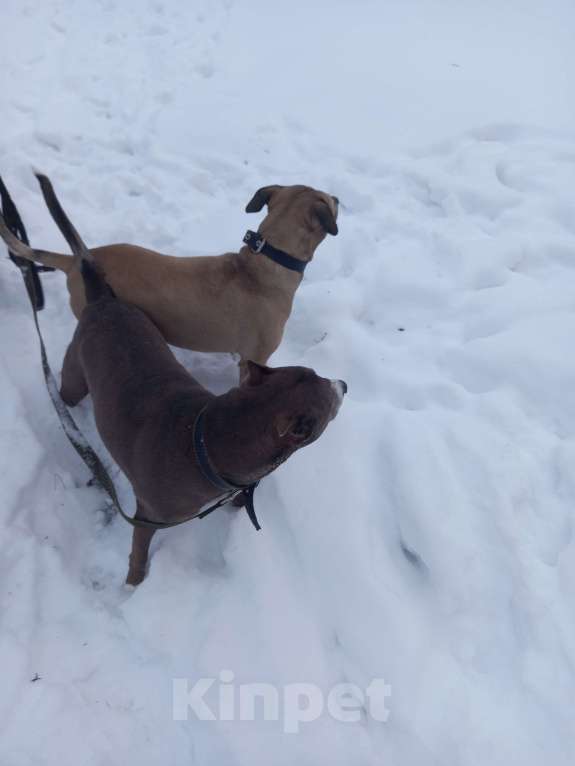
(236, 302)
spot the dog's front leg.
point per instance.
(141, 539)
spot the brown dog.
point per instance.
(180, 446)
(237, 302)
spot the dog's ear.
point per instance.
(295, 429)
(256, 373)
(261, 198)
(323, 213)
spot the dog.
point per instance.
(179, 445)
(236, 302)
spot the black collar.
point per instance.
(257, 244)
(208, 472)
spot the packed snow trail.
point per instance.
(427, 538)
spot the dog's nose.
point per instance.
(340, 388)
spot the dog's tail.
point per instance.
(68, 230)
(95, 285)
(45, 257)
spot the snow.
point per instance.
(427, 537)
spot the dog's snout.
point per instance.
(335, 199)
(340, 388)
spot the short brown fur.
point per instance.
(236, 302)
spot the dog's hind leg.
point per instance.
(73, 387)
(141, 539)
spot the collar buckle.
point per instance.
(254, 241)
(259, 245)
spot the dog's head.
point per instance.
(295, 403)
(273, 412)
(298, 217)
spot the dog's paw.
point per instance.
(135, 577)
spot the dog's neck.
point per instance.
(298, 243)
(239, 447)
(267, 273)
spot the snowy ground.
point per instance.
(427, 538)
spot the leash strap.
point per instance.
(29, 269)
(257, 244)
(248, 496)
(77, 439)
(251, 511)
